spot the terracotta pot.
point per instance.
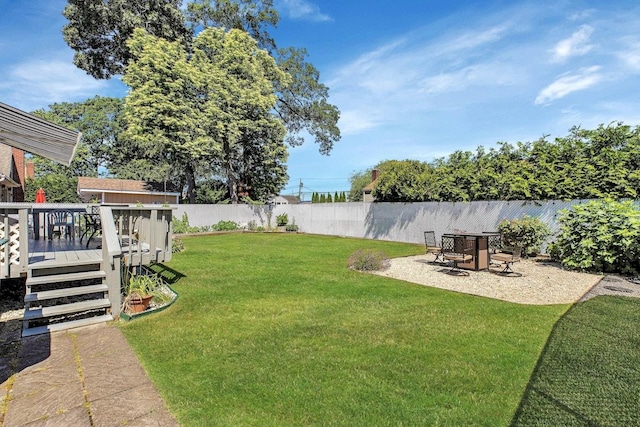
(138, 305)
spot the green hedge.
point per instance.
(599, 236)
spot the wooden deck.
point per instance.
(61, 252)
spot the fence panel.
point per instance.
(401, 222)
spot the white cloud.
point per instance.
(576, 45)
(474, 39)
(304, 9)
(631, 55)
(569, 83)
(489, 74)
(357, 121)
(38, 83)
(413, 76)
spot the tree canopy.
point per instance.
(208, 108)
(98, 30)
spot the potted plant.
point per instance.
(139, 290)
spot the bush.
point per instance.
(225, 226)
(527, 232)
(282, 220)
(368, 260)
(182, 226)
(291, 227)
(177, 245)
(599, 236)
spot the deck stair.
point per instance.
(65, 295)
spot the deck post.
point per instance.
(111, 259)
(23, 219)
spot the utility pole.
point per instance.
(300, 191)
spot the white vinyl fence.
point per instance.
(401, 222)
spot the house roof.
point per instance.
(38, 136)
(369, 187)
(6, 167)
(291, 199)
(6, 160)
(114, 185)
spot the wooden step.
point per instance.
(66, 325)
(66, 292)
(59, 262)
(57, 310)
(67, 277)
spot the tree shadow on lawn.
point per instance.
(169, 275)
(589, 370)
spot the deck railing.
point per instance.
(136, 235)
(14, 231)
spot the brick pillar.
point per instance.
(29, 169)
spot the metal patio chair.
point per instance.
(432, 247)
(494, 245)
(507, 259)
(458, 250)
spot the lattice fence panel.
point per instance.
(13, 233)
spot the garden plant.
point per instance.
(527, 231)
(600, 236)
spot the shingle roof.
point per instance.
(6, 162)
(369, 187)
(111, 185)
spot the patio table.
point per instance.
(481, 257)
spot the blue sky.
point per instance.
(413, 79)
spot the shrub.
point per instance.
(177, 245)
(368, 260)
(181, 226)
(282, 220)
(291, 227)
(225, 226)
(527, 232)
(599, 236)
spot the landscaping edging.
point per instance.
(129, 317)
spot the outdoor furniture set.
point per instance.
(472, 251)
(67, 223)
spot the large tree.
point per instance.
(210, 107)
(98, 30)
(302, 105)
(99, 121)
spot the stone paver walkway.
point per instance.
(81, 377)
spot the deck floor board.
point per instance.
(45, 252)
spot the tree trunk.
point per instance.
(191, 184)
(232, 182)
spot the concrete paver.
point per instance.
(81, 377)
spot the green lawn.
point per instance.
(273, 330)
(589, 372)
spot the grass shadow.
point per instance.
(589, 371)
